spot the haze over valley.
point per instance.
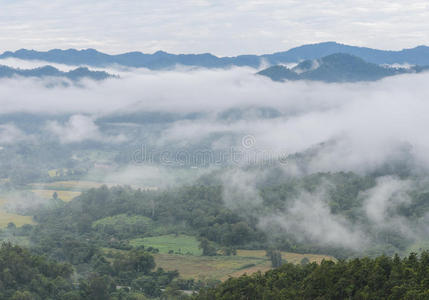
(150, 170)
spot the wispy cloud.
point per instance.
(80, 128)
(10, 134)
(366, 124)
(201, 26)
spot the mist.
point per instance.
(348, 127)
(366, 123)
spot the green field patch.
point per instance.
(182, 244)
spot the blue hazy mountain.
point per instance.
(162, 60)
(415, 56)
(339, 67)
(49, 71)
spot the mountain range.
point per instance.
(163, 60)
(49, 71)
(339, 67)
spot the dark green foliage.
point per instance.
(135, 262)
(97, 287)
(208, 249)
(27, 276)
(110, 217)
(275, 257)
(379, 278)
(199, 210)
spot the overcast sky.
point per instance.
(222, 27)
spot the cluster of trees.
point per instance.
(106, 213)
(25, 276)
(112, 216)
(365, 278)
(131, 275)
(76, 232)
(25, 163)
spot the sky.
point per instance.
(221, 27)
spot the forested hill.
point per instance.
(49, 71)
(339, 67)
(162, 60)
(27, 276)
(380, 278)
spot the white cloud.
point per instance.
(309, 217)
(367, 124)
(80, 128)
(363, 126)
(10, 134)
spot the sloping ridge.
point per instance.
(339, 67)
(49, 71)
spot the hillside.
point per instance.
(380, 278)
(49, 71)
(339, 67)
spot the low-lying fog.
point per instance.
(358, 127)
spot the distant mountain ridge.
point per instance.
(162, 60)
(339, 67)
(49, 71)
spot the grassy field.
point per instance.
(7, 217)
(206, 267)
(214, 267)
(74, 185)
(290, 257)
(183, 244)
(62, 194)
(211, 267)
(223, 267)
(69, 185)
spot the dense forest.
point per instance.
(78, 233)
(27, 276)
(361, 278)
(112, 216)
